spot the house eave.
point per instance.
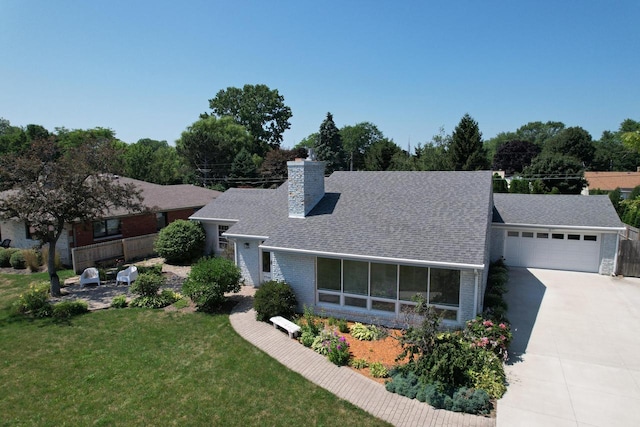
(407, 261)
(245, 236)
(557, 227)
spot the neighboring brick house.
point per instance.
(360, 244)
(166, 203)
(609, 181)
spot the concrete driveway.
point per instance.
(575, 356)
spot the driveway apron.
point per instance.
(575, 356)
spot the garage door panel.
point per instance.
(559, 254)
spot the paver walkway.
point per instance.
(341, 381)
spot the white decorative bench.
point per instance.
(285, 324)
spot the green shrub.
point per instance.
(320, 342)
(153, 269)
(490, 335)
(274, 298)
(5, 257)
(181, 241)
(449, 361)
(343, 326)
(208, 281)
(358, 363)
(119, 301)
(68, 309)
(163, 299)
(32, 259)
(147, 284)
(35, 301)
(307, 337)
(378, 370)
(471, 401)
(365, 332)
(311, 322)
(17, 260)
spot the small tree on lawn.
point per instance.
(181, 241)
(50, 185)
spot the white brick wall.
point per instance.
(16, 231)
(608, 250)
(306, 186)
(248, 259)
(299, 272)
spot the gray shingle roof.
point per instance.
(422, 216)
(169, 197)
(555, 209)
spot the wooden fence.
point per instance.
(629, 253)
(126, 249)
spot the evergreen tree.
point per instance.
(466, 149)
(243, 166)
(329, 145)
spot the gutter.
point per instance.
(404, 261)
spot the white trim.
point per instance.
(244, 236)
(197, 218)
(559, 227)
(615, 257)
(404, 261)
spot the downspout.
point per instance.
(617, 254)
(475, 293)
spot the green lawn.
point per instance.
(148, 367)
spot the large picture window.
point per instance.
(444, 287)
(356, 277)
(386, 287)
(106, 228)
(413, 281)
(329, 274)
(384, 280)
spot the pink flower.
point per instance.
(502, 338)
(502, 326)
(488, 323)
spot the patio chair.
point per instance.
(90, 275)
(5, 243)
(128, 275)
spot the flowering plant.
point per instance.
(493, 336)
(332, 345)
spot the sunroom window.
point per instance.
(365, 285)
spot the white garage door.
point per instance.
(559, 250)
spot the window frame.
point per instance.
(107, 234)
(372, 304)
(223, 242)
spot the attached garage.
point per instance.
(560, 232)
(558, 250)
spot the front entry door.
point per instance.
(266, 266)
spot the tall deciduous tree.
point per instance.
(329, 145)
(210, 145)
(260, 110)
(538, 132)
(380, 156)
(564, 173)
(514, 156)
(49, 186)
(466, 148)
(274, 166)
(356, 140)
(575, 142)
(154, 161)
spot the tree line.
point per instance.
(237, 143)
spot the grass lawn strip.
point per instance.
(141, 367)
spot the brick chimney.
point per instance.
(306, 185)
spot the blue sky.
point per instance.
(148, 68)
